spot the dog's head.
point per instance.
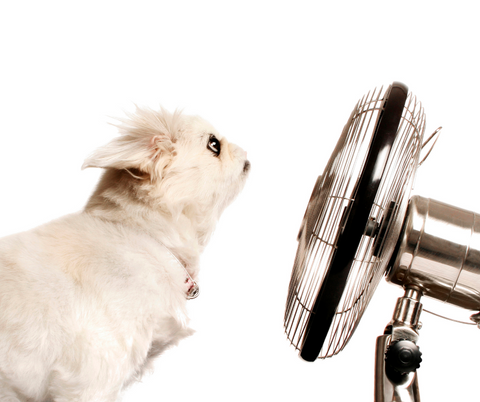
(181, 162)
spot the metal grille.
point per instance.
(327, 212)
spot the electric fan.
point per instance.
(360, 226)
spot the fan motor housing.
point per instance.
(439, 251)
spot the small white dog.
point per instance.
(87, 301)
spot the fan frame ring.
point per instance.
(336, 276)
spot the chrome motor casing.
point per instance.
(439, 252)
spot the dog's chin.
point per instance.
(232, 187)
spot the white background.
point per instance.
(280, 79)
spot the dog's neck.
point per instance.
(121, 197)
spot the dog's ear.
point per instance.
(146, 142)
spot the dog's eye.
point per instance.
(214, 145)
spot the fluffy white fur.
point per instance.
(87, 301)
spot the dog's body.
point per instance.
(88, 300)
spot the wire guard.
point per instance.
(331, 207)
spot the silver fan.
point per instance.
(360, 226)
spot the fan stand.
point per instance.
(437, 255)
(397, 356)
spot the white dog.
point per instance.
(88, 300)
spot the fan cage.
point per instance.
(328, 210)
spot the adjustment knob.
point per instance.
(403, 356)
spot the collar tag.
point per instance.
(193, 289)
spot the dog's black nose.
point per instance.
(246, 167)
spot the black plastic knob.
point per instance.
(403, 356)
